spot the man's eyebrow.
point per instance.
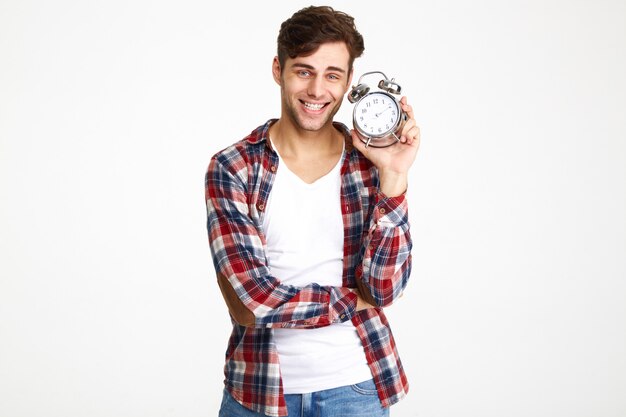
(311, 67)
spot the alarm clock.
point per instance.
(377, 116)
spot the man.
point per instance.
(309, 236)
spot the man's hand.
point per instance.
(361, 304)
(393, 162)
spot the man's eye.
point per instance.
(333, 77)
(305, 73)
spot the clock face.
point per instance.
(376, 115)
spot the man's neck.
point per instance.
(308, 154)
(299, 144)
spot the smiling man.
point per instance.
(311, 89)
(309, 235)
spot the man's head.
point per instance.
(309, 28)
(316, 50)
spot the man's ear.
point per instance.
(276, 70)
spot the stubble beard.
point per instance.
(301, 121)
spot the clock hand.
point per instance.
(378, 114)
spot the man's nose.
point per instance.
(315, 87)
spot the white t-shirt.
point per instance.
(304, 232)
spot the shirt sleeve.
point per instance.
(386, 265)
(238, 254)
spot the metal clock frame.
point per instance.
(361, 91)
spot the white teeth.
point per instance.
(313, 106)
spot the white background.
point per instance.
(110, 111)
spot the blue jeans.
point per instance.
(358, 400)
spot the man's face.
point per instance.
(312, 87)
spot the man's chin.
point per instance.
(317, 122)
(312, 123)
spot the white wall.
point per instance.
(110, 111)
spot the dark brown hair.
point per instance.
(304, 32)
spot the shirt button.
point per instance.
(382, 210)
(273, 168)
(261, 206)
(343, 316)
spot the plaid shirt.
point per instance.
(377, 251)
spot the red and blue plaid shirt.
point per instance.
(377, 251)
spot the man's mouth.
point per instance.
(313, 106)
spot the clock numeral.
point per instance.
(368, 104)
(375, 101)
(364, 111)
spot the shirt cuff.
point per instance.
(390, 211)
(342, 304)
